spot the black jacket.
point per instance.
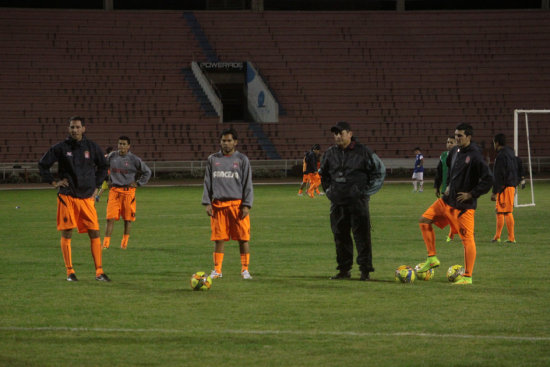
(505, 170)
(311, 162)
(468, 172)
(82, 163)
(351, 173)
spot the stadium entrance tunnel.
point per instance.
(236, 91)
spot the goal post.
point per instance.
(528, 164)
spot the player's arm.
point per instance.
(145, 171)
(207, 188)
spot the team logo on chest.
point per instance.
(467, 159)
(87, 154)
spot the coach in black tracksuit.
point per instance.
(350, 174)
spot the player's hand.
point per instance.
(134, 184)
(493, 197)
(522, 184)
(209, 210)
(61, 183)
(244, 211)
(463, 196)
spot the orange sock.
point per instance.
(500, 225)
(218, 261)
(428, 234)
(106, 242)
(124, 242)
(67, 257)
(469, 255)
(245, 260)
(510, 226)
(95, 245)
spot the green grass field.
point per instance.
(290, 314)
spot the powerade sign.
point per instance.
(222, 66)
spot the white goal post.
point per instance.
(525, 114)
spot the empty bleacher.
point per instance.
(402, 79)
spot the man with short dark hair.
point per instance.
(469, 178)
(505, 172)
(228, 196)
(81, 169)
(350, 174)
(125, 167)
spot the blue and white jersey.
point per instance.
(418, 163)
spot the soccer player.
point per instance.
(440, 182)
(350, 174)
(124, 167)
(505, 172)
(105, 184)
(418, 172)
(312, 167)
(469, 178)
(81, 168)
(228, 196)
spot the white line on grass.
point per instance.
(274, 332)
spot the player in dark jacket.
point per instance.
(469, 178)
(505, 172)
(82, 168)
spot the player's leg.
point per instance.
(510, 192)
(219, 234)
(88, 222)
(128, 213)
(420, 176)
(435, 214)
(466, 232)
(244, 249)
(414, 182)
(113, 214)
(66, 221)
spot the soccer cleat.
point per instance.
(448, 239)
(72, 278)
(431, 262)
(495, 240)
(341, 275)
(364, 276)
(463, 281)
(508, 241)
(246, 275)
(215, 275)
(102, 278)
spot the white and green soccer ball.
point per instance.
(455, 273)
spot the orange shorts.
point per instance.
(76, 213)
(226, 222)
(122, 203)
(442, 215)
(505, 200)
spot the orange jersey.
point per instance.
(226, 222)
(76, 213)
(505, 200)
(122, 203)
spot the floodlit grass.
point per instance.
(290, 314)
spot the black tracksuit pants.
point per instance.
(345, 220)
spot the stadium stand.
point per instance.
(402, 79)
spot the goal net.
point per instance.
(522, 147)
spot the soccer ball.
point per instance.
(455, 272)
(427, 275)
(405, 274)
(200, 281)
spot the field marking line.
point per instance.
(275, 332)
